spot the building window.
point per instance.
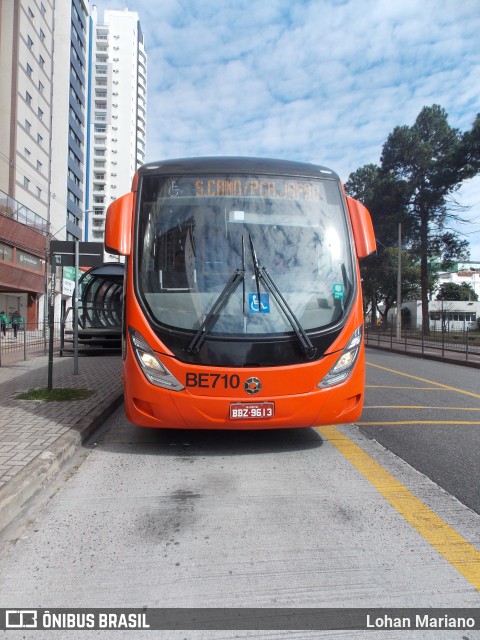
(39, 192)
(28, 98)
(31, 15)
(28, 126)
(72, 218)
(6, 252)
(29, 43)
(26, 153)
(73, 177)
(29, 70)
(43, 11)
(40, 113)
(41, 61)
(39, 166)
(26, 182)
(74, 137)
(75, 159)
(42, 36)
(39, 139)
(40, 87)
(73, 198)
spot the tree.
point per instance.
(383, 197)
(387, 283)
(430, 160)
(453, 291)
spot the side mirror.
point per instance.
(363, 232)
(118, 225)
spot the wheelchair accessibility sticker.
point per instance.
(338, 291)
(263, 307)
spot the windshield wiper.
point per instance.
(262, 275)
(217, 308)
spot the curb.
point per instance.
(43, 469)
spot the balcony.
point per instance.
(11, 208)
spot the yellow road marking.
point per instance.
(419, 406)
(388, 386)
(438, 384)
(453, 547)
(372, 424)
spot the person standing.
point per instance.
(16, 322)
(3, 323)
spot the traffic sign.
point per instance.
(90, 254)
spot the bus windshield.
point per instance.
(196, 232)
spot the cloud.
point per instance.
(314, 80)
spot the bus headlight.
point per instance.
(153, 368)
(344, 365)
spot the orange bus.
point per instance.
(242, 295)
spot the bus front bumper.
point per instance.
(182, 410)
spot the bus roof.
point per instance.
(237, 165)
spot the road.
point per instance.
(428, 413)
(369, 515)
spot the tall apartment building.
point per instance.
(118, 112)
(68, 149)
(26, 95)
(42, 117)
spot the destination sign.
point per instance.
(244, 186)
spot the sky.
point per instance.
(322, 81)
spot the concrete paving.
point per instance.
(37, 438)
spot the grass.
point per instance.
(55, 395)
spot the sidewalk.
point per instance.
(36, 437)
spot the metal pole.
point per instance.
(399, 284)
(443, 332)
(51, 326)
(24, 340)
(75, 313)
(45, 303)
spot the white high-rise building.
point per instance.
(118, 112)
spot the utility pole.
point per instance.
(75, 311)
(399, 284)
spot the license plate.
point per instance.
(252, 410)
